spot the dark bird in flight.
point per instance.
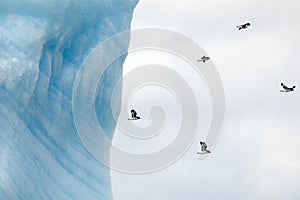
(287, 89)
(204, 149)
(243, 26)
(134, 115)
(204, 59)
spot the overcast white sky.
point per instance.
(258, 155)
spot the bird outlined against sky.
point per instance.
(134, 115)
(243, 26)
(203, 59)
(204, 149)
(287, 89)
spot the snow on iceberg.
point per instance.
(42, 45)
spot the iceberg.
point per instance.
(42, 46)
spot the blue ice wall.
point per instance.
(42, 45)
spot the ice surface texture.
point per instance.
(42, 45)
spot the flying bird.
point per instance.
(134, 115)
(287, 89)
(204, 59)
(204, 149)
(243, 26)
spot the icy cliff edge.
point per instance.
(42, 45)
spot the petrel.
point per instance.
(204, 59)
(287, 89)
(243, 26)
(134, 115)
(204, 149)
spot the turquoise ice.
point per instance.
(42, 46)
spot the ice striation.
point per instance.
(42, 46)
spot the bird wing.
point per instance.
(284, 86)
(204, 146)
